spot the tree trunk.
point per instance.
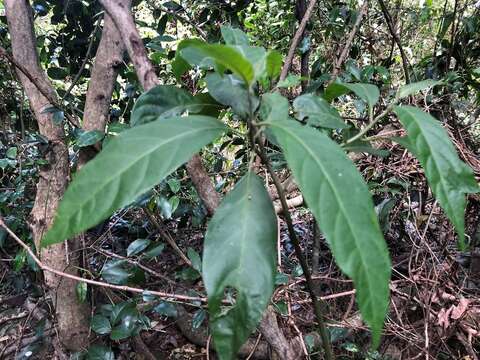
(72, 316)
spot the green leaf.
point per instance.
(101, 325)
(410, 89)
(197, 51)
(114, 272)
(341, 203)
(334, 90)
(449, 178)
(290, 81)
(244, 259)
(154, 251)
(163, 101)
(166, 308)
(165, 207)
(231, 91)
(195, 259)
(233, 36)
(97, 352)
(274, 64)
(130, 164)
(87, 138)
(174, 185)
(81, 291)
(12, 152)
(57, 73)
(137, 246)
(274, 107)
(198, 318)
(318, 111)
(367, 92)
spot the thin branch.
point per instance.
(44, 267)
(318, 304)
(37, 83)
(349, 42)
(85, 60)
(395, 36)
(296, 39)
(167, 236)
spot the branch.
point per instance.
(39, 83)
(125, 23)
(45, 267)
(394, 34)
(296, 39)
(348, 43)
(317, 303)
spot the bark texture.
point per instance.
(72, 316)
(108, 60)
(123, 18)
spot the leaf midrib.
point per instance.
(126, 168)
(329, 180)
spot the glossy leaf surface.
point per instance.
(340, 201)
(243, 259)
(163, 101)
(318, 112)
(130, 164)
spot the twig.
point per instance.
(317, 303)
(85, 60)
(348, 43)
(37, 83)
(394, 34)
(296, 40)
(371, 124)
(95, 282)
(254, 347)
(167, 237)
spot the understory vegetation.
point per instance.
(214, 179)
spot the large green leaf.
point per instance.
(130, 164)
(165, 101)
(318, 112)
(231, 91)
(449, 178)
(340, 201)
(243, 259)
(197, 52)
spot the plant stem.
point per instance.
(370, 125)
(318, 304)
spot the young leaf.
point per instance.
(410, 89)
(129, 165)
(244, 259)
(196, 52)
(163, 101)
(231, 91)
(318, 111)
(343, 207)
(233, 36)
(274, 64)
(449, 178)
